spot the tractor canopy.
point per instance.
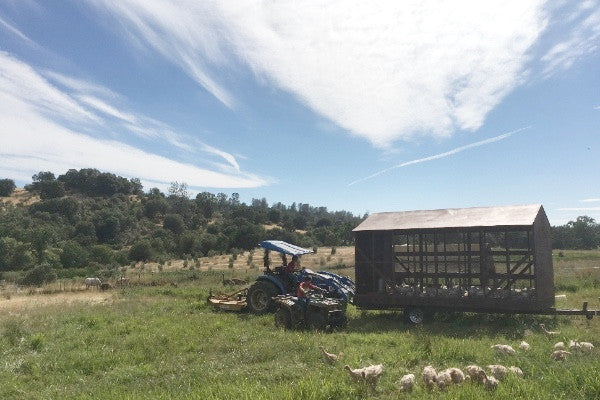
(284, 247)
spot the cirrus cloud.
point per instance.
(382, 71)
(37, 133)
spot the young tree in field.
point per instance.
(7, 187)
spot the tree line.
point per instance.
(87, 220)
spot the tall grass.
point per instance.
(157, 340)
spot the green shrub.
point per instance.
(7, 187)
(73, 255)
(140, 251)
(39, 275)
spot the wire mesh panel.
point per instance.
(470, 267)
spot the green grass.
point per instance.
(164, 342)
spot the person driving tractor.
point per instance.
(292, 265)
(304, 289)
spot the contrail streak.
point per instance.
(442, 155)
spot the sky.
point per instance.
(351, 105)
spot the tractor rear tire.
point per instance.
(283, 318)
(259, 297)
(316, 320)
(340, 323)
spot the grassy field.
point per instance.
(159, 339)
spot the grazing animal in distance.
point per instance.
(547, 332)
(329, 357)
(407, 382)
(105, 286)
(92, 282)
(559, 346)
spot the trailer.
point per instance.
(482, 259)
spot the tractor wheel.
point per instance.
(259, 297)
(341, 322)
(283, 318)
(316, 320)
(414, 315)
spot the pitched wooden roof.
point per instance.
(452, 218)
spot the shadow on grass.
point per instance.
(456, 325)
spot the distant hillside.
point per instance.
(92, 221)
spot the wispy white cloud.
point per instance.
(384, 72)
(579, 209)
(597, 108)
(589, 200)
(36, 134)
(12, 29)
(98, 97)
(107, 109)
(441, 155)
(583, 38)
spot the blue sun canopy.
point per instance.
(284, 247)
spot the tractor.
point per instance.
(275, 282)
(318, 312)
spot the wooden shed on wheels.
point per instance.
(488, 259)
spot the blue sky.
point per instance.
(398, 106)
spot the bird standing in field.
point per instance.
(369, 374)
(407, 382)
(547, 332)
(372, 373)
(560, 355)
(504, 348)
(524, 346)
(329, 357)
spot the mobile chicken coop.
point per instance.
(484, 259)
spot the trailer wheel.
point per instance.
(259, 297)
(589, 315)
(283, 318)
(414, 315)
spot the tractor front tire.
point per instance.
(414, 315)
(283, 318)
(259, 297)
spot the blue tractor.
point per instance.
(277, 281)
